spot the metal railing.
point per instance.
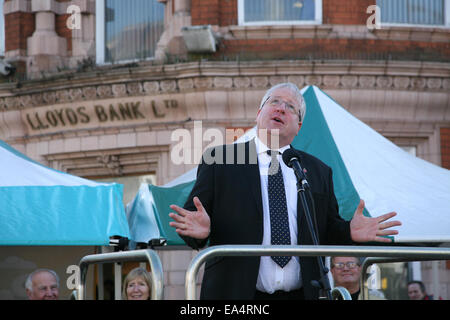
(375, 260)
(408, 253)
(146, 255)
(340, 293)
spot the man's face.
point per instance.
(343, 274)
(414, 292)
(280, 112)
(44, 287)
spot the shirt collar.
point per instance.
(262, 148)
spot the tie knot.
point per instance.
(273, 153)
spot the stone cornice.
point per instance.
(144, 79)
(397, 33)
(408, 33)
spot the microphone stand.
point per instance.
(323, 283)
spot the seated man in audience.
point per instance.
(42, 284)
(346, 273)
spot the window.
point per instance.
(128, 30)
(271, 12)
(415, 12)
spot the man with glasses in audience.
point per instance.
(253, 200)
(346, 273)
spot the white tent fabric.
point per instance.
(42, 206)
(388, 178)
(20, 171)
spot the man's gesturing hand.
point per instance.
(365, 229)
(194, 224)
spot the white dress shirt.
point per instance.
(271, 276)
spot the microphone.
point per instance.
(292, 160)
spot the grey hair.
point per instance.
(29, 281)
(294, 90)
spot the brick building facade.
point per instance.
(395, 78)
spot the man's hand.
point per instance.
(194, 224)
(364, 229)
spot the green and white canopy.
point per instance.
(365, 166)
(41, 206)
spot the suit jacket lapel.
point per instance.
(251, 174)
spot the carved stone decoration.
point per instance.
(89, 93)
(384, 82)
(185, 84)
(446, 84)
(203, 83)
(274, 80)
(25, 101)
(434, 83)
(112, 163)
(75, 94)
(49, 97)
(134, 88)
(418, 83)
(37, 99)
(314, 80)
(119, 90)
(297, 80)
(401, 82)
(242, 82)
(107, 163)
(168, 85)
(62, 96)
(367, 82)
(260, 82)
(223, 82)
(349, 81)
(104, 91)
(151, 86)
(11, 102)
(331, 81)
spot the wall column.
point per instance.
(46, 50)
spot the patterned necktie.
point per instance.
(279, 223)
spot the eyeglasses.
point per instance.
(341, 265)
(277, 101)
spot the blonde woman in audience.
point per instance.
(137, 285)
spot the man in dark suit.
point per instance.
(236, 201)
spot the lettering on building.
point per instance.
(94, 114)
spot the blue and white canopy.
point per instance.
(365, 166)
(42, 206)
(368, 166)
